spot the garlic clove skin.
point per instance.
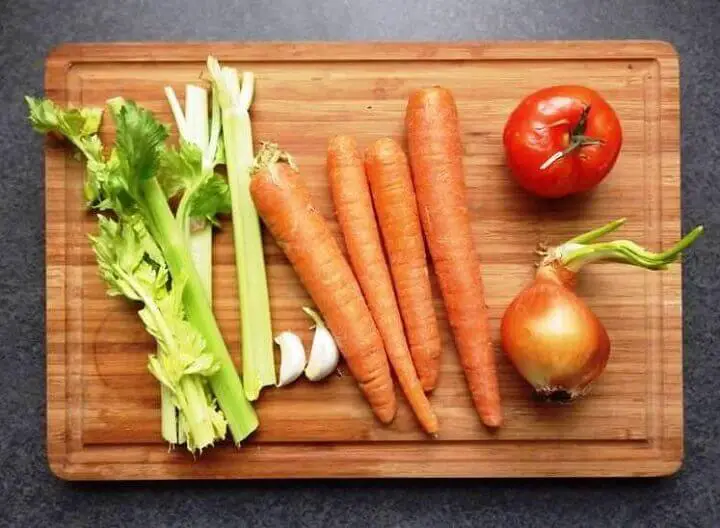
(292, 357)
(324, 354)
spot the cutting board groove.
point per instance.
(103, 405)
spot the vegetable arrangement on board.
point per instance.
(156, 207)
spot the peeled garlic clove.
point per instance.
(323, 352)
(292, 357)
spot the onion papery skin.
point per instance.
(553, 338)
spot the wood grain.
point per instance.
(103, 405)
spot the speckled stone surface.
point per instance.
(31, 496)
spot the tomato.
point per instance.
(562, 140)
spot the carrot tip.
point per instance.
(386, 415)
(493, 421)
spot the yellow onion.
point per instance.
(551, 336)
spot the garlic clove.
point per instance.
(292, 357)
(324, 355)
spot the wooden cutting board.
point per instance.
(103, 405)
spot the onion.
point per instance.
(551, 336)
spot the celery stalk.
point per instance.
(148, 243)
(194, 127)
(225, 383)
(199, 230)
(257, 346)
(195, 411)
(169, 425)
(168, 417)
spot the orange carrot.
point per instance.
(392, 191)
(354, 207)
(283, 202)
(436, 154)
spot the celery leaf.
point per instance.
(73, 123)
(205, 194)
(139, 143)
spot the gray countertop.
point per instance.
(30, 495)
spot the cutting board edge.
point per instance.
(656, 464)
(61, 57)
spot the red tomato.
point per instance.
(562, 140)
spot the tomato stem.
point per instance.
(577, 139)
(581, 126)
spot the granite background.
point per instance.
(31, 496)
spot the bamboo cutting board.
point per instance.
(103, 405)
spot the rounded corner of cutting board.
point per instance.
(59, 468)
(665, 49)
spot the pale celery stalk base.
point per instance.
(257, 350)
(201, 244)
(168, 417)
(258, 366)
(198, 132)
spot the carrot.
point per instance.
(436, 152)
(283, 202)
(354, 207)
(392, 191)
